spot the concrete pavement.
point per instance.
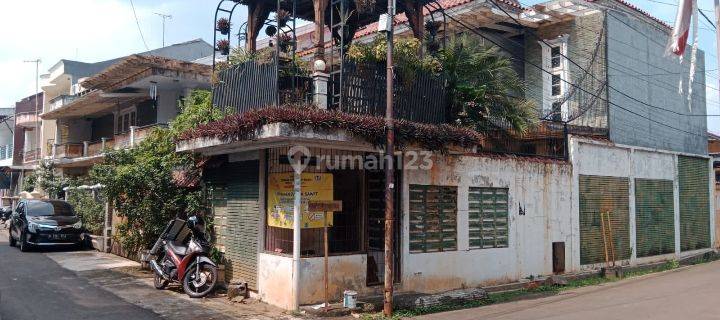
(687, 293)
(35, 287)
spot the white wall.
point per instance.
(541, 187)
(167, 106)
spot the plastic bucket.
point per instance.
(349, 299)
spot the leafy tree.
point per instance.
(46, 179)
(484, 91)
(90, 210)
(139, 181)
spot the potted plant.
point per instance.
(282, 16)
(223, 25)
(285, 42)
(365, 6)
(223, 46)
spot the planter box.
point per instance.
(99, 243)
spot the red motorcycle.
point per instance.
(181, 255)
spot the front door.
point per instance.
(375, 230)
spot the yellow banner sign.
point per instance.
(281, 198)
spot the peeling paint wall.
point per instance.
(540, 188)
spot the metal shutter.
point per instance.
(433, 218)
(654, 217)
(488, 217)
(694, 203)
(603, 194)
(241, 219)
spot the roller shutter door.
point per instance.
(603, 194)
(241, 221)
(654, 217)
(694, 203)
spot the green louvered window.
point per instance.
(694, 181)
(433, 218)
(598, 195)
(488, 218)
(654, 217)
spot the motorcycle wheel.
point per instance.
(203, 285)
(159, 282)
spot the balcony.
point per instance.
(60, 101)
(418, 96)
(94, 149)
(6, 151)
(31, 155)
(27, 119)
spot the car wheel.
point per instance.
(11, 240)
(24, 245)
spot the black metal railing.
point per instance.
(419, 96)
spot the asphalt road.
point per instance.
(32, 286)
(689, 293)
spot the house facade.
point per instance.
(616, 173)
(82, 115)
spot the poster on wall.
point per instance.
(314, 187)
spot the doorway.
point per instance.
(375, 230)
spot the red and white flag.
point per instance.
(678, 39)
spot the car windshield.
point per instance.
(49, 208)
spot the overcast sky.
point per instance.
(96, 30)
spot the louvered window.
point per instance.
(488, 218)
(433, 218)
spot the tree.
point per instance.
(139, 181)
(46, 179)
(484, 91)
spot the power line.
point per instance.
(572, 84)
(706, 18)
(138, 25)
(588, 73)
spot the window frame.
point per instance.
(556, 65)
(481, 219)
(442, 222)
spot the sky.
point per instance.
(97, 30)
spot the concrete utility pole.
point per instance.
(717, 29)
(164, 17)
(389, 169)
(37, 107)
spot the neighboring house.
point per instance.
(616, 148)
(7, 176)
(119, 107)
(62, 85)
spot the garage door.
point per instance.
(654, 217)
(603, 194)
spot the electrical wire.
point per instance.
(137, 22)
(473, 30)
(590, 74)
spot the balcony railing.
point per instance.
(124, 140)
(60, 101)
(26, 119)
(6, 151)
(418, 96)
(31, 155)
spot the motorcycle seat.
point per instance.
(177, 248)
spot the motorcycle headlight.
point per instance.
(77, 225)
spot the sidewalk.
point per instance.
(124, 278)
(686, 293)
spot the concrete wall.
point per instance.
(598, 158)
(638, 68)
(541, 188)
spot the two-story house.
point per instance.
(113, 104)
(617, 147)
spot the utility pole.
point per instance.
(37, 107)
(164, 17)
(389, 169)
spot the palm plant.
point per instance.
(484, 91)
